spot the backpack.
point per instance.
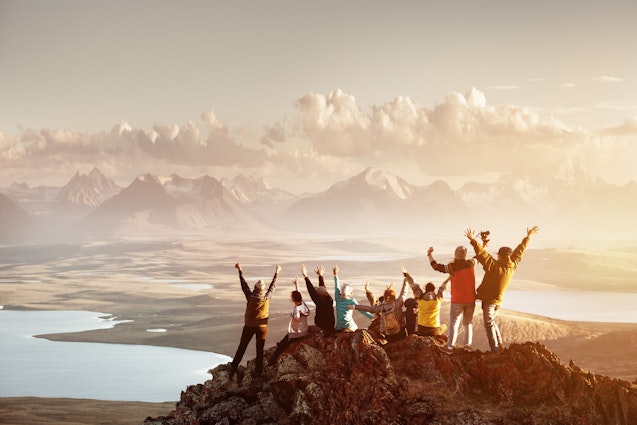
(390, 322)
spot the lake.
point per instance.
(38, 367)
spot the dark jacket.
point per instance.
(324, 316)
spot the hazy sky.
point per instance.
(307, 93)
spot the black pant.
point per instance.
(248, 332)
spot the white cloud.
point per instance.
(332, 138)
(462, 135)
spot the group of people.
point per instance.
(393, 316)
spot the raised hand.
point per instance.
(237, 266)
(430, 250)
(319, 270)
(470, 234)
(303, 270)
(278, 269)
(533, 230)
(335, 270)
(403, 270)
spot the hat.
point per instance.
(460, 253)
(259, 285)
(505, 251)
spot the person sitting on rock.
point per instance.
(297, 327)
(344, 298)
(429, 303)
(324, 315)
(255, 319)
(390, 311)
(374, 326)
(411, 316)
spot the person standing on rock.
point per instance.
(429, 302)
(324, 315)
(463, 294)
(497, 276)
(297, 328)
(255, 319)
(343, 297)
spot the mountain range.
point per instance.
(566, 198)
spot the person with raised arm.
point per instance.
(497, 276)
(463, 294)
(343, 295)
(429, 302)
(255, 319)
(390, 312)
(324, 315)
(297, 327)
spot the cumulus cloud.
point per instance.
(462, 135)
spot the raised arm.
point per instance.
(516, 256)
(310, 288)
(443, 288)
(434, 265)
(319, 272)
(272, 286)
(482, 255)
(418, 293)
(369, 294)
(244, 285)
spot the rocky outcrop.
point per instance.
(350, 379)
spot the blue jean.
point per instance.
(466, 311)
(489, 313)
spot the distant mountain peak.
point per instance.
(87, 190)
(381, 180)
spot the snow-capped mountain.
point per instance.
(254, 190)
(86, 191)
(177, 204)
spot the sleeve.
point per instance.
(439, 267)
(244, 286)
(370, 297)
(337, 289)
(483, 256)
(272, 286)
(403, 291)
(364, 313)
(321, 281)
(310, 288)
(414, 286)
(516, 256)
(369, 308)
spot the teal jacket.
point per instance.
(344, 319)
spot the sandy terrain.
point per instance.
(138, 281)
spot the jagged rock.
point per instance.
(350, 379)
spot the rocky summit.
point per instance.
(351, 379)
